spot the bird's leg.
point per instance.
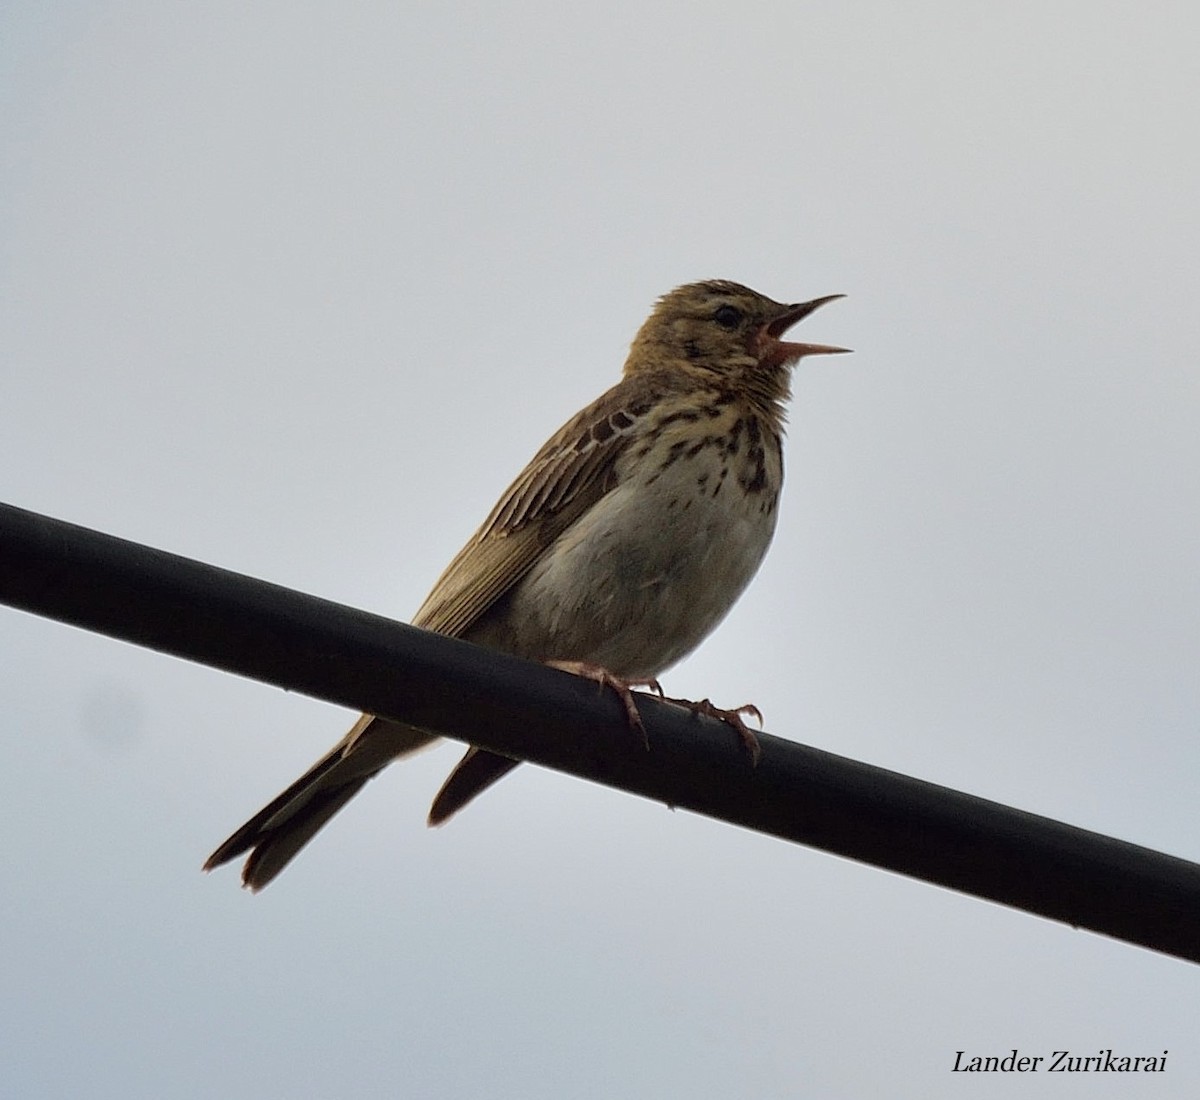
(732, 718)
(622, 687)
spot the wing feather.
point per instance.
(574, 469)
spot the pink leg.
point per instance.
(731, 718)
(623, 688)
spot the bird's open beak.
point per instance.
(782, 351)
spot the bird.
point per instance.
(615, 552)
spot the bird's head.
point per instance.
(726, 331)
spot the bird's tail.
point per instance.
(472, 775)
(280, 829)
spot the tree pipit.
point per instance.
(615, 552)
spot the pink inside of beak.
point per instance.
(778, 352)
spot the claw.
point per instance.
(623, 688)
(732, 718)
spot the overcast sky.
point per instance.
(297, 288)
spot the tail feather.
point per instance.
(274, 850)
(280, 829)
(473, 774)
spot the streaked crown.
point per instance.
(728, 334)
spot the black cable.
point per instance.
(530, 712)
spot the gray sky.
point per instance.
(297, 289)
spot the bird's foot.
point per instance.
(732, 718)
(623, 688)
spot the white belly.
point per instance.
(647, 573)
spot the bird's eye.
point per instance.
(728, 317)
